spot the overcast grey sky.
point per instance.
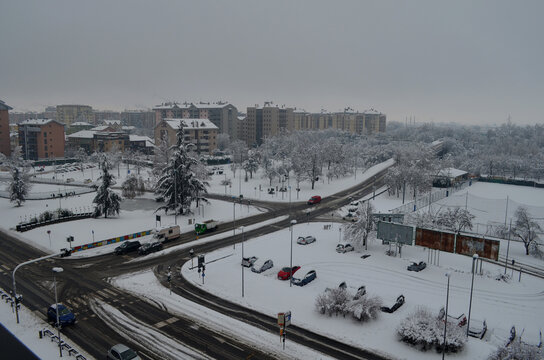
(461, 61)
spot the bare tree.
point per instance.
(456, 219)
(526, 229)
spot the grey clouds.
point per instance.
(462, 61)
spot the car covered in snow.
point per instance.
(396, 305)
(477, 328)
(305, 240)
(417, 266)
(350, 217)
(285, 273)
(344, 248)
(308, 278)
(248, 261)
(261, 265)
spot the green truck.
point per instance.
(208, 225)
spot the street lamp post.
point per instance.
(474, 262)
(55, 271)
(448, 275)
(293, 222)
(289, 200)
(175, 195)
(234, 219)
(242, 228)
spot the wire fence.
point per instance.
(45, 195)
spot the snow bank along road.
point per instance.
(154, 332)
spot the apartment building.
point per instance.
(68, 114)
(222, 114)
(200, 132)
(265, 121)
(41, 139)
(138, 118)
(5, 147)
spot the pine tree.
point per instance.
(19, 186)
(106, 200)
(178, 184)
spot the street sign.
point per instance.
(284, 319)
(281, 319)
(287, 318)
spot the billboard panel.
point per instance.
(392, 232)
(435, 239)
(469, 245)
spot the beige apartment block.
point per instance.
(200, 132)
(5, 147)
(68, 114)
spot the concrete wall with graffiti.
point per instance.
(111, 241)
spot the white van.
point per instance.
(167, 233)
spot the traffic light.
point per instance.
(169, 276)
(200, 261)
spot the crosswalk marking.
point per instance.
(111, 292)
(5, 267)
(166, 322)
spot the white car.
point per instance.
(305, 240)
(261, 265)
(344, 248)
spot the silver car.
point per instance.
(305, 240)
(122, 352)
(343, 248)
(259, 266)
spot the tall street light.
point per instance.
(474, 262)
(448, 275)
(242, 228)
(175, 194)
(55, 271)
(293, 222)
(234, 219)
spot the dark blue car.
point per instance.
(66, 316)
(309, 277)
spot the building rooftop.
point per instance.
(191, 124)
(148, 141)
(39, 122)
(83, 134)
(81, 123)
(112, 122)
(451, 172)
(372, 112)
(4, 106)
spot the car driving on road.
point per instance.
(66, 316)
(148, 248)
(127, 246)
(316, 199)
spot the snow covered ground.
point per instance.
(27, 332)
(518, 303)
(136, 215)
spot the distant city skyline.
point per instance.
(465, 62)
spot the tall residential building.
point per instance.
(68, 114)
(101, 115)
(5, 147)
(144, 119)
(41, 139)
(200, 132)
(222, 114)
(265, 121)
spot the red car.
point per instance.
(316, 199)
(285, 272)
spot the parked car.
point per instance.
(396, 305)
(353, 209)
(69, 180)
(477, 328)
(417, 266)
(305, 240)
(360, 292)
(351, 217)
(355, 203)
(316, 199)
(308, 278)
(261, 265)
(66, 316)
(248, 261)
(148, 248)
(126, 247)
(285, 273)
(122, 352)
(344, 247)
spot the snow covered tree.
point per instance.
(162, 154)
(357, 232)
(82, 157)
(251, 164)
(106, 201)
(223, 141)
(425, 331)
(333, 301)
(178, 184)
(365, 307)
(526, 229)
(456, 219)
(19, 184)
(133, 186)
(518, 350)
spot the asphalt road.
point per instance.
(83, 285)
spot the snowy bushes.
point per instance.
(426, 331)
(133, 186)
(517, 350)
(340, 301)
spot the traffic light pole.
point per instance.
(15, 298)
